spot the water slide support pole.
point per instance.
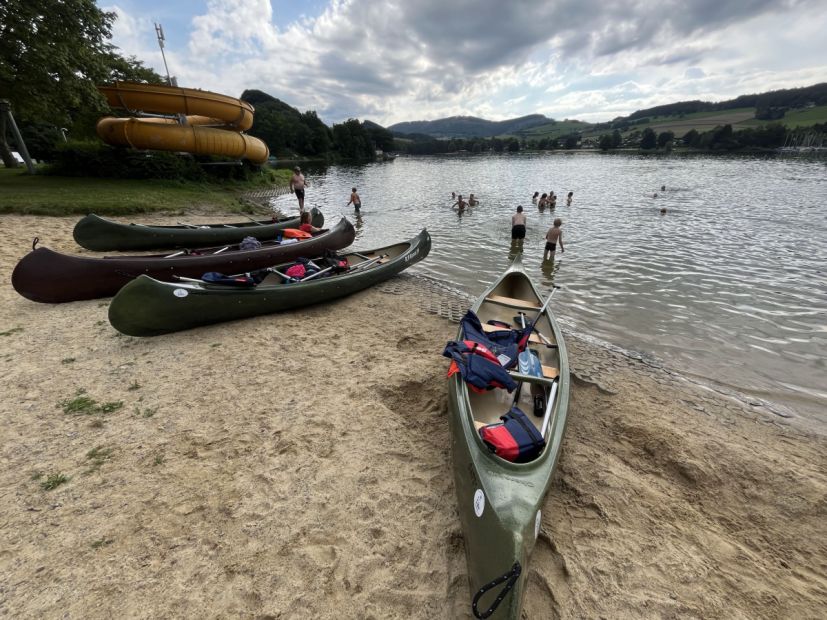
(5, 110)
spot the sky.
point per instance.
(403, 60)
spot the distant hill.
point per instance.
(469, 126)
(789, 98)
(791, 107)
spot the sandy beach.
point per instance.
(298, 466)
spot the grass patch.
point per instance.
(134, 386)
(53, 481)
(98, 456)
(159, 459)
(111, 406)
(11, 331)
(67, 360)
(146, 412)
(83, 404)
(103, 542)
(39, 194)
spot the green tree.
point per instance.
(53, 53)
(664, 138)
(691, 137)
(648, 140)
(617, 139)
(605, 142)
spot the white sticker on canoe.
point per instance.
(479, 502)
(537, 520)
(180, 292)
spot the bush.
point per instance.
(92, 159)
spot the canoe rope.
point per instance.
(34, 243)
(511, 577)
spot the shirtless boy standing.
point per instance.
(297, 185)
(553, 237)
(354, 200)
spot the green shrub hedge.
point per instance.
(92, 159)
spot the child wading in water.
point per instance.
(553, 237)
(355, 200)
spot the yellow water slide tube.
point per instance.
(208, 123)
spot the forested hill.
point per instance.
(762, 102)
(469, 126)
(288, 132)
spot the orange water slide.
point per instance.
(210, 123)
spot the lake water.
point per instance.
(730, 286)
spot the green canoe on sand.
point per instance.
(500, 502)
(101, 235)
(148, 307)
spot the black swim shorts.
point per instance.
(518, 232)
(299, 193)
(551, 247)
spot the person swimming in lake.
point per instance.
(554, 236)
(569, 199)
(543, 202)
(552, 200)
(535, 197)
(472, 202)
(460, 204)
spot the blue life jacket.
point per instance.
(501, 343)
(478, 371)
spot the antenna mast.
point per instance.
(159, 31)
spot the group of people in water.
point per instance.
(461, 204)
(554, 235)
(549, 201)
(298, 184)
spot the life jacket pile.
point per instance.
(483, 360)
(515, 439)
(478, 366)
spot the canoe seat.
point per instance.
(549, 372)
(534, 338)
(513, 302)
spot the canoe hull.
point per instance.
(500, 503)
(51, 277)
(146, 307)
(101, 235)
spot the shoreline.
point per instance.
(297, 465)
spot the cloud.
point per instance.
(402, 60)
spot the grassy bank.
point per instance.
(40, 194)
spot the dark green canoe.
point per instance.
(148, 307)
(500, 502)
(101, 235)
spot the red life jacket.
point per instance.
(295, 233)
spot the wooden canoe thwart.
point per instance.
(500, 502)
(101, 235)
(51, 277)
(147, 307)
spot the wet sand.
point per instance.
(298, 466)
